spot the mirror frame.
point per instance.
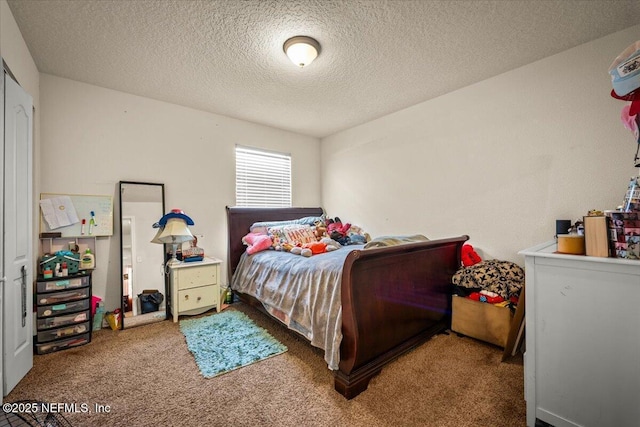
(164, 249)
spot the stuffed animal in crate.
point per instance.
(256, 242)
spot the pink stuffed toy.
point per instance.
(469, 256)
(256, 242)
(336, 229)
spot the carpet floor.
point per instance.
(146, 376)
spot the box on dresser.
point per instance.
(596, 236)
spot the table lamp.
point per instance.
(158, 233)
(175, 231)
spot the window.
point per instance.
(263, 178)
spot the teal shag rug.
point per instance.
(226, 341)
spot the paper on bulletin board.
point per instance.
(58, 212)
(70, 225)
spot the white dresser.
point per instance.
(582, 359)
(195, 287)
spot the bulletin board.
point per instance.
(102, 207)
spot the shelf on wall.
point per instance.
(50, 245)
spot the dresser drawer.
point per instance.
(192, 277)
(195, 298)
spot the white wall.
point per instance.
(500, 160)
(16, 54)
(94, 137)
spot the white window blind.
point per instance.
(263, 178)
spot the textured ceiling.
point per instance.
(377, 56)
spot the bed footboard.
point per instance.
(393, 299)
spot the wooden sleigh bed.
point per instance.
(393, 298)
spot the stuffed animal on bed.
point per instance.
(357, 235)
(320, 230)
(256, 242)
(331, 244)
(299, 250)
(314, 248)
(308, 249)
(337, 230)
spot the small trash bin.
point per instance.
(150, 301)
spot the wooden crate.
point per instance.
(480, 320)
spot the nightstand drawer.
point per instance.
(191, 277)
(194, 298)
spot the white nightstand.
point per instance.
(195, 287)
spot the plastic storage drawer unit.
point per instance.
(63, 310)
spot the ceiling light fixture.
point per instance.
(302, 50)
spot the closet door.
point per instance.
(2, 276)
(18, 247)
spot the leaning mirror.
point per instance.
(142, 262)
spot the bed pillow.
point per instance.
(263, 226)
(294, 235)
(384, 241)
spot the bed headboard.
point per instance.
(240, 219)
